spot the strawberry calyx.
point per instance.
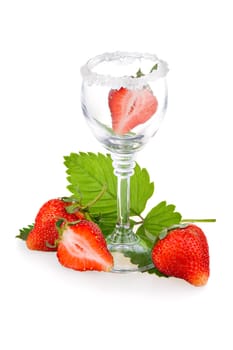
(74, 206)
(24, 232)
(166, 230)
(183, 223)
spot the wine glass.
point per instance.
(124, 99)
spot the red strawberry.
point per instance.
(83, 247)
(45, 231)
(130, 108)
(183, 253)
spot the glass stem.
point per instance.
(123, 168)
(123, 200)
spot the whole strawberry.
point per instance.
(82, 247)
(44, 233)
(183, 253)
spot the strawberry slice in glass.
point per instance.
(130, 108)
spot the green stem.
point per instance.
(90, 204)
(198, 220)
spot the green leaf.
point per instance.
(141, 189)
(160, 217)
(157, 221)
(140, 259)
(106, 222)
(139, 73)
(155, 67)
(24, 232)
(89, 172)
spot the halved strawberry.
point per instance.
(130, 108)
(83, 247)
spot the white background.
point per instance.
(42, 46)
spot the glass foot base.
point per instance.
(130, 257)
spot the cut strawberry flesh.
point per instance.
(83, 247)
(130, 108)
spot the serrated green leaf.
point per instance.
(141, 190)
(160, 217)
(24, 232)
(89, 172)
(140, 259)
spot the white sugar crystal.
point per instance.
(118, 68)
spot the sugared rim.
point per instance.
(91, 77)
